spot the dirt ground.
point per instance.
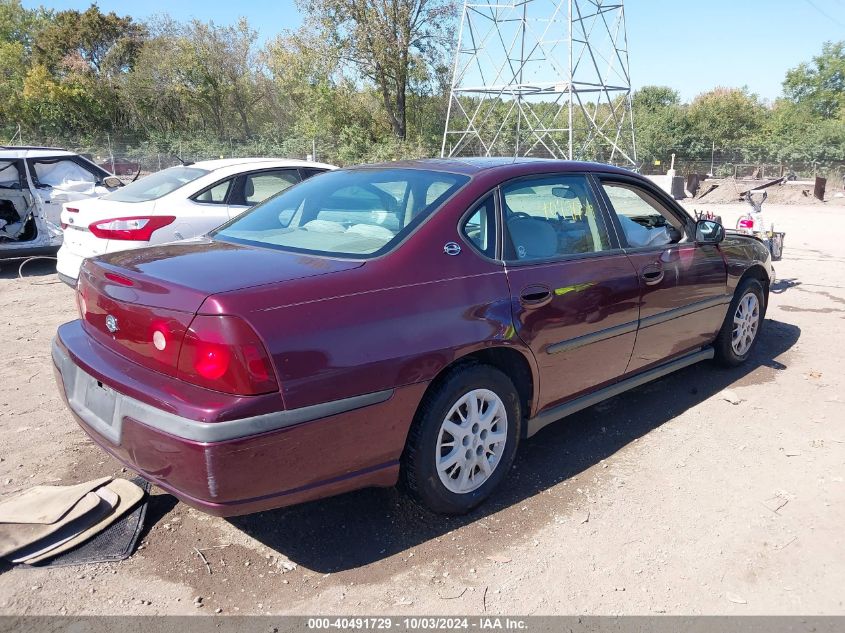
(730, 191)
(668, 499)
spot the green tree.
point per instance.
(820, 84)
(381, 39)
(102, 43)
(199, 76)
(18, 28)
(20, 25)
(154, 93)
(660, 123)
(732, 118)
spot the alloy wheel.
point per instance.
(746, 323)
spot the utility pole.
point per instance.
(527, 73)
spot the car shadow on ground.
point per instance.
(363, 527)
(782, 285)
(39, 267)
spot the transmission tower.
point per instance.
(542, 78)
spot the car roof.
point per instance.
(27, 151)
(213, 165)
(472, 166)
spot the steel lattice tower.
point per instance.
(542, 78)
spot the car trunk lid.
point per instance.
(126, 297)
(79, 214)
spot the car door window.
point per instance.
(552, 217)
(480, 227)
(216, 194)
(262, 185)
(62, 174)
(645, 221)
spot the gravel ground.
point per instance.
(671, 498)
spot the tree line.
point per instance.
(359, 80)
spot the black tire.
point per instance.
(725, 352)
(419, 474)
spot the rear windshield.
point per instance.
(357, 213)
(156, 185)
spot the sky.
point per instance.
(690, 46)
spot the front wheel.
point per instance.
(742, 324)
(463, 439)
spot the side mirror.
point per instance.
(709, 232)
(112, 182)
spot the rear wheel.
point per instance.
(463, 440)
(742, 324)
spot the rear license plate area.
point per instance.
(96, 404)
(100, 401)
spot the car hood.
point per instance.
(181, 275)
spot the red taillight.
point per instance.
(138, 229)
(119, 279)
(212, 360)
(224, 353)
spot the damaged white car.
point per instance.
(34, 184)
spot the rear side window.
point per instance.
(215, 194)
(480, 227)
(258, 187)
(356, 213)
(552, 217)
(156, 185)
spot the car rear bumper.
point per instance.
(242, 464)
(70, 281)
(68, 264)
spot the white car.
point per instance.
(173, 204)
(34, 184)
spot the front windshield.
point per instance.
(156, 185)
(355, 213)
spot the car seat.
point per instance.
(532, 238)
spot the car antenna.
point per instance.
(185, 163)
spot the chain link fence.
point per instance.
(127, 156)
(733, 163)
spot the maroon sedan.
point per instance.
(404, 322)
